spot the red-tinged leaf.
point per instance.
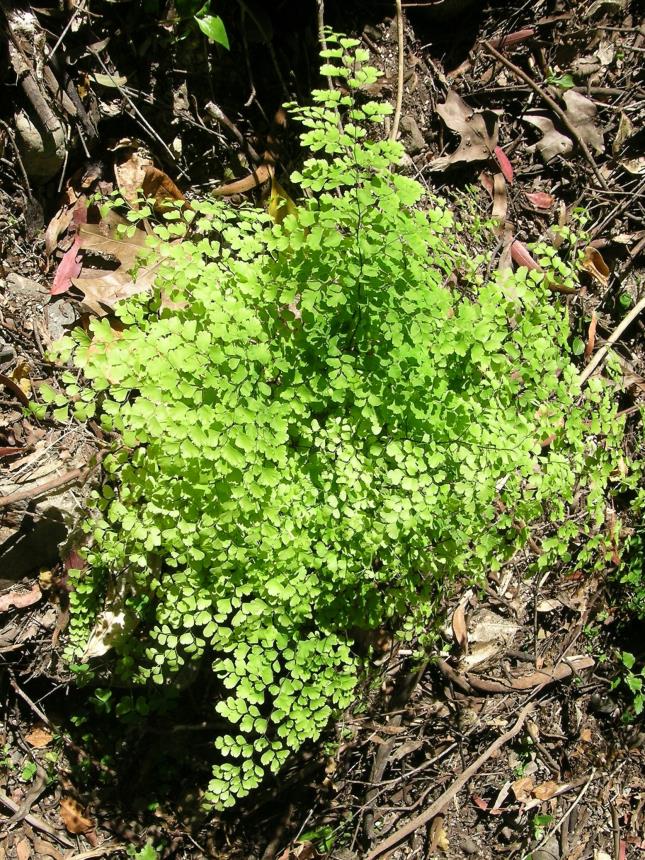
(521, 256)
(540, 199)
(74, 561)
(504, 164)
(9, 451)
(69, 267)
(501, 42)
(20, 599)
(480, 802)
(591, 337)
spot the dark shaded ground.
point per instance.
(572, 776)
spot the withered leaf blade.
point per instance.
(582, 113)
(73, 816)
(159, 186)
(478, 131)
(553, 143)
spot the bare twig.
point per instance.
(444, 799)
(555, 107)
(35, 822)
(399, 87)
(600, 355)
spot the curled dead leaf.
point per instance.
(477, 131)
(39, 737)
(20, 599)
(73, 816)
(159, 186)
(522, 788)
(552, 143)
(594, 263)
(540, 199)
(522, 257)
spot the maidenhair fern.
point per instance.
(324, 421)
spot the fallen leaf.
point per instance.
(586, 735)
(594, 263)
(501, 42)
(21, 374)
(260, 175)
(70, 267)
(546, 790)
(161, 188)
(582, 113)
(301, 851)
(438, 836)
(9, 451)
(15, 599)
(73, 816)
(280, 204)
(623, 133)
(39, 737)
(459, 629)
(13, 386)
(540, 199)
(522, 257)
(552, 144)
(522, 788)
(505, 165)
(23, 849)
(477, 129)
(130, 171)
(635, 166)
(101, 288)
(108, 80)
(591, 336)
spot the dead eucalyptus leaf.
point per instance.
(260, 175)
(161, 188)
(546, 790)
(593, 263)
(540, 199)
(459, 629)
(582, 114)
(101, 288)
(623, 133)
(130, 172)
(523, 788)
(39, 738)
(73, 816)
(20, 599)
(478, 131)
(552, 144)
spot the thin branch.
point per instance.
(555, 107)
(399, 87)
(611, 340)
(444, 799)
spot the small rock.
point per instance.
(26, 288)
(60, 316)
(469, 846)
(549, 851)
(414, 139)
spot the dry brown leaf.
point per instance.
(594, 263)
(623, 133)
(260, 175)
(522, 788)
(39, 737)
(130, 172)
(101, 288)
(582, 114)
(477, 129)
(438, 836)
(301, 851)
(20, 599)
(73, 816)
(552, 144)
(23, 849)
(540, 199)
(591, 336)
(459, 629)
(161, 188)
(546, 790)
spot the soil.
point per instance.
(423, 766)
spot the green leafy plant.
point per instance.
(212, 26)
(323, 422)
(634, 681)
